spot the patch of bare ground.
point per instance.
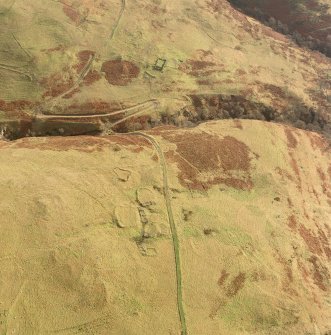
(120, 72)
(205, 160)
(81, 143)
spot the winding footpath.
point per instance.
(173, 228)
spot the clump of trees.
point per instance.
(313, 18)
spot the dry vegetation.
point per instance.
(220, 228)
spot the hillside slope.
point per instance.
(96, 57)
(86, 246)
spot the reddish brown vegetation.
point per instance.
(16, 105)
(292, 142)
(236, 284)
(92, 107)
(205, 160)
(120, 72)
(84, 57)
(320, 274)
(71, 13)
(92, 77)
(284, 174)
(223, 278)
(57, 84)
(292, 223)
(312, 241)
(318, 142)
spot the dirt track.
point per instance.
(173, 229)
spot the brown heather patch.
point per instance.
(92, 77)
(321, 275)
(92, 107)
(325, 241)
(296, 170)
(312, 241)
(292, 222)
(198, 68)
(288, 278)
(57, 83)
(303, 270)
(120, 73)
(205, 160)
(72, 13)
(83, 56)
(16, 105)
(215, 5)
(325, 185)
(284, 174)
(317, 141)
(223, 278)
(236, 284)
(71, 93)
(292, 142)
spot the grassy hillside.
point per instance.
(87, 247)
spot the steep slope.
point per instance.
(97, 57)
(307, 21)
(86, 245)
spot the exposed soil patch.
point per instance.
(120, 72)
(205, 160)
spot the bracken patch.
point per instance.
(205, 160)
(236, 285)
(224, 276)
(320, 274)
(120, 72)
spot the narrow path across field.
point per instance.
(173, 228)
